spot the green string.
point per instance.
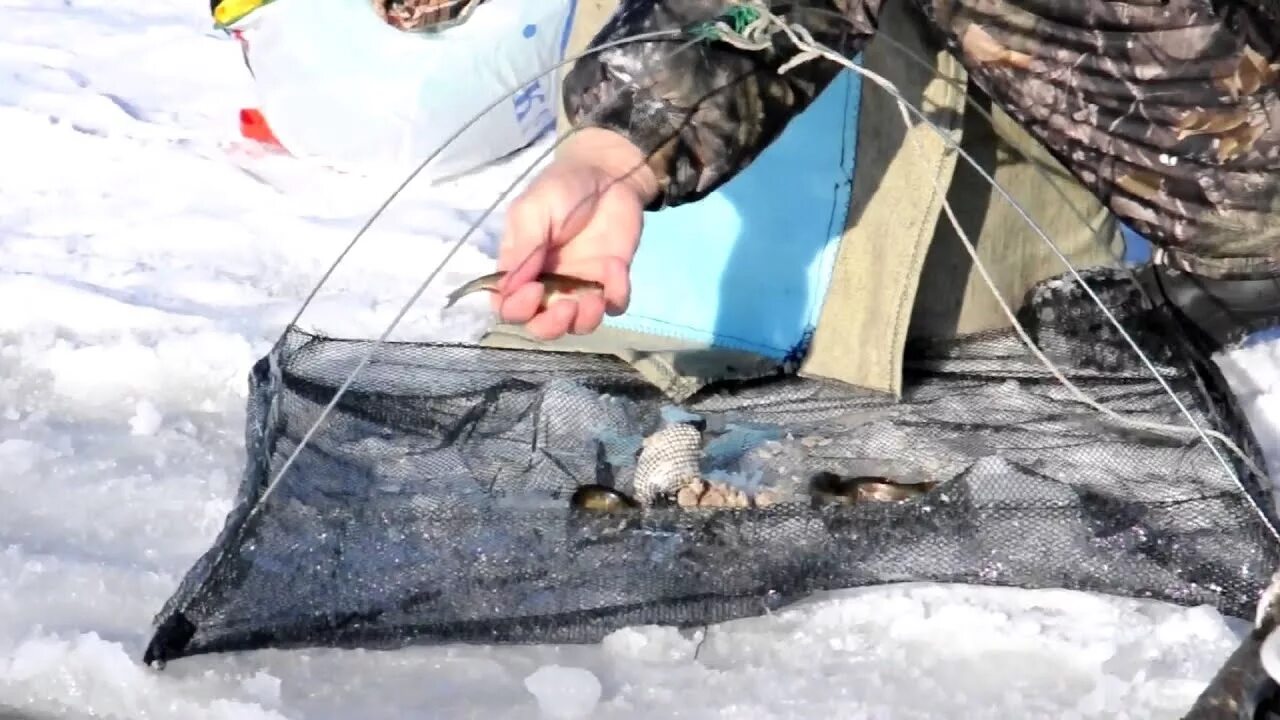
(739, 17)
(736, 16)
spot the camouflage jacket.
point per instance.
(1167, 110)
(424, 15)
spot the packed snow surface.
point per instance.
(148, 257)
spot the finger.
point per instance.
(590, 314)
(526, 271)
(613, 274)
(554, 209)
(522, 304)
(555, 322)
(617, 284)
(574, 207)
(524, 245)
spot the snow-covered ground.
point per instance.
(147, 258)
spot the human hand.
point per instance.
(581, 217)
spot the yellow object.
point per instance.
(229, 11)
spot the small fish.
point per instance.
(829, 487)
(598, 498)
(556, 285)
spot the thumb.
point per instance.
(523, 250)
(558, 208)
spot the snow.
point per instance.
(148, 258)
(564, 692)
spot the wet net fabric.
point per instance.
(432, 505)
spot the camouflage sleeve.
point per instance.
(702, 112)
(1168, 110)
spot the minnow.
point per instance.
(598, 498)
(830, 487)
(555, 285)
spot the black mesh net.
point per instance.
(432, 504)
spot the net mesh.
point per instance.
(432, 504)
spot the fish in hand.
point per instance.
(555, 286)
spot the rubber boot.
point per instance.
(1215, 313)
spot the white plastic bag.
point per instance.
(338, 84)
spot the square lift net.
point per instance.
(432, 505)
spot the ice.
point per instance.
(651, 644)
(146, 420)
(148, 258)
(564, 692)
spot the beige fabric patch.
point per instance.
(894, 211)
(1017, 258)
(677, 367)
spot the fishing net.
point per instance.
(432, 503)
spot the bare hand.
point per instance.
(582, 217)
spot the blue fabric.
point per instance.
(1260, 337)
(748, 266)
(1137, 249)
(567, 30)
